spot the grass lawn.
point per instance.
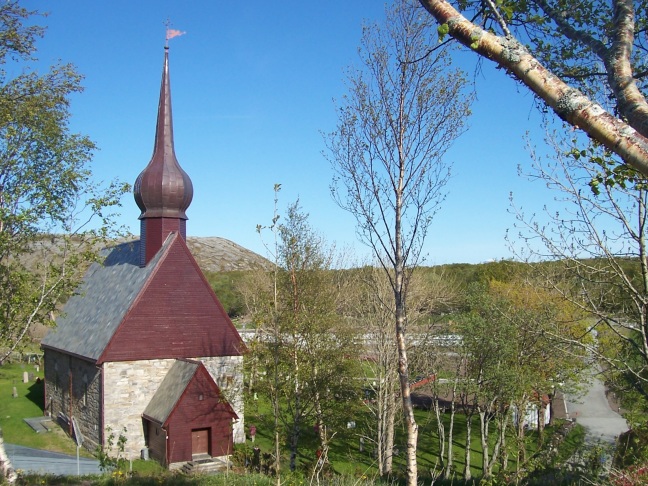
(345, 455)
(28, 403)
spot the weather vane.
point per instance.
(171, 33)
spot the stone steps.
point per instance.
(204, 464)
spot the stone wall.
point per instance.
(82, 400)
(130, 386)
(227, 372)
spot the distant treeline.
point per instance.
(226, 285)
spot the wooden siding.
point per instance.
(201, 406)
(156, 442)
(153, 232)
(177, 315)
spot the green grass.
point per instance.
(346, 458)
(573, 443)
(347, 462)
(28, 403)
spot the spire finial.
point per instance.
(163, 191)
(171, 33)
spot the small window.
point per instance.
(84, 399)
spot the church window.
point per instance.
(85, 390)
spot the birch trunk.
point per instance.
(449, 463)
(467, 452)
(568, 103)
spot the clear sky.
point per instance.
(253, 86)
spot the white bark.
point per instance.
(568, 103)
(7, 470)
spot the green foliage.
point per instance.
(595, 233)
(303, 357)
(111, 455)
(226, 287)
(443, 30)
(347, 461)
(45, 183)
(632, 447)
(610, 173)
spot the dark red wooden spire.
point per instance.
(163, 191)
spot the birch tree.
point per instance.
(48, 199)
(595, 228)
(584, 60)
(518, 341)
(304, 351)
(374, 312)
(403, 110)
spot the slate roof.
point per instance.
(170, 390)
(91, 317)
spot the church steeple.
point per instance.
(163, 191)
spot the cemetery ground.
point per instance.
(28, 403)
(345, 457)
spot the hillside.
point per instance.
(215, 254)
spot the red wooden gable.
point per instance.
(175, 315)
(200, 407)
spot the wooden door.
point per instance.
(200, 441)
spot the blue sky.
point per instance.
(253, 86)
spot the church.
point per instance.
(144, 349)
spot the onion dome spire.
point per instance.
(163, 191)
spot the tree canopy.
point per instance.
(47, 195)
(404, 109)
(585, 60)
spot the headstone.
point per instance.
(256, 458)
(25, 377)
(37, 368)
(14, 392)
(31, 376)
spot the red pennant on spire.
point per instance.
(171, 33)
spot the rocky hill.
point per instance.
(215, 254)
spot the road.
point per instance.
(45, 462)
(594, 412)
